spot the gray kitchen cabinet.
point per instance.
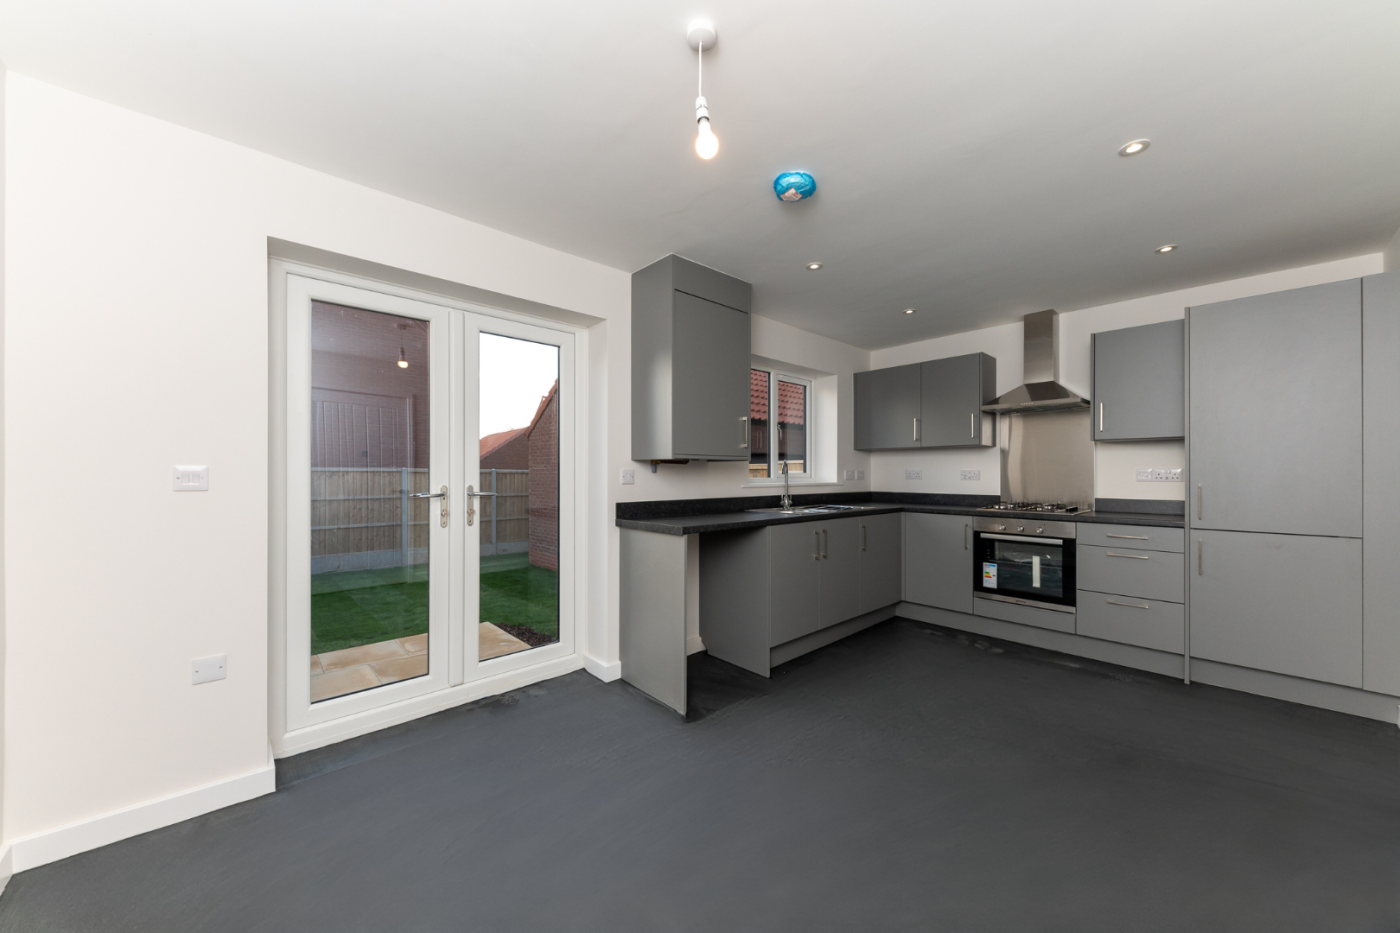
(795, 581)
(1131, 620)
(1291, 604)
(1144, 537)
(691, 355)
(1275, 412)
(881, 569)
(839, 572)
(887, 408)
(1139, 382)
(952, 393)
(938, 560)
(1380, 309)
(1130, 572)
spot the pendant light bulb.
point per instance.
(699, 36)
(403, 360)
(706, 142)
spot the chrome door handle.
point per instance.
(864, 537)
(471, 508)
(1129, 556)
(443, 496)
(972, 424)
(1199, 498)
(964, 536)
(1200, 557)
(1100, 417)
(1114, 602)
(744, 439)
(1133, 537)
(916, 429)
(826, 545)
(817, 552)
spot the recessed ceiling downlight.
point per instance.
(1134, 147)
(813, 266)
(1169, 248)
(910, 310)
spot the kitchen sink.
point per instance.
(807, 509)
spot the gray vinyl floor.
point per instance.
(907, 778)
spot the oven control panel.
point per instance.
(1024, 526)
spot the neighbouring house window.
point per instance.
(780, 411)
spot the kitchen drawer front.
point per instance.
(1148, 623)
(1142, 537)
(1145, 574)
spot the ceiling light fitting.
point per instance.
(1169, 248)
(1134, 147)
(813, 266)
(910, 310)
(700, 35)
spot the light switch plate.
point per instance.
(913, 474)
(191, 479)
(970, 474)
(204, 670)
(860, 474)
(850, 474)
(629, 477)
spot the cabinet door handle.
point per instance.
(864, 537)
(964, 537)
(916, 429)
(1114, 602)
(1134, 537)
(1200, 557)
(1129, 556)
(1100, 417)
(972, 424)
(1200, 498)
(744, 426)
(817, 546)
(826, 542)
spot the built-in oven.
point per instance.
(1024, 561)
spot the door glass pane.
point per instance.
(519, 526)
(758, 423)
(792, 425)
(1029, 568)
(369, 540)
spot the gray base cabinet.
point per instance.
(881, 570)
(768, 587)
(1284, 603)
(938, 560)
(1139, 382)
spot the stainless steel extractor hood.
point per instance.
(1041, 389)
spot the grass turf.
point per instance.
(365, 606)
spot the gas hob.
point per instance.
(1058, 508)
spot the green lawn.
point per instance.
(365, 606)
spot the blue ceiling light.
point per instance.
(794, 186)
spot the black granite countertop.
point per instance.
(698, 516)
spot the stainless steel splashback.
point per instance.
(1048, 457)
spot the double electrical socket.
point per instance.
(970, 474)
(913, 474)
(1160, 476)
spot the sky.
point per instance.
(515, 375)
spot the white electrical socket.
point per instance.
(860, 474)
(191, 479)
(1160, 476)
(850, 474)
(970, 474)
(204, 670)
(629, 477)
(913, 474)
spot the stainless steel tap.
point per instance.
(787, 495)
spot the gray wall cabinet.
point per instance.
(952, 394)
(1284, 603)
(1380, 302)
(881, 570)
(691, 355)
(887, 405)
(938, 560)
(937, 403)
(1139, 382)
(1275, 440)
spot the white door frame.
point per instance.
(298, 726)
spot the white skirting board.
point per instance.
(54, 844)
(6, 867)
(605, 671)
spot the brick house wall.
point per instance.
(508, 450)
(544, 483)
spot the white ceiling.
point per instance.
(965, 153)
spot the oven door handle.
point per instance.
(986, 535)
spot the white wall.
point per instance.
(4, 852)
(1115, 464)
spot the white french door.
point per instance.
(430, 498)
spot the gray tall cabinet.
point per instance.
(691, 354)
(1275, 482)
(1380, 355)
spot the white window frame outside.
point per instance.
(809, 423)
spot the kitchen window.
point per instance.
(780, 422)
